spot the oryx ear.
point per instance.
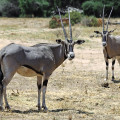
(97, 32)
(79, 42)
(112, 31)
(58, 41)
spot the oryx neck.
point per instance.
(59, 54)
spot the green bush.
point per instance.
(53, 24)
(88, 7)
(34, 7)
(92, 8)
(9, 8)
(98, 7)
(75, 17)
(95, 7)
(89, 21)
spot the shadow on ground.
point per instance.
(56, 110)
(78, 111)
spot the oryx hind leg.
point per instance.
(9, 68)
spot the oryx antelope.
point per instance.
(39, 60)
(111, 45)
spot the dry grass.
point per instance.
(74, 91)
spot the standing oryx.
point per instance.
(39, 60)
(111, 46)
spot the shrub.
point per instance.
(88, 7)
(75, 17)
(98, 7)
(91, 21)
(92, 8)
(10, 8)
(53, 24)
(55, 21)
(34, 7)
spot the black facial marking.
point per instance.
(113, 62)
(45, 82)
(104, 32)
(70, 48)
(69, 41)
(65, 53)
(39, 72)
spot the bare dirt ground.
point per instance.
(74, 89)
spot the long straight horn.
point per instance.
(62, 25)
(109, 18)
(70, 25)
(103, 17)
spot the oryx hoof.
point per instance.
(1, 108)
(7, 107)
(39, 108)
(45, 109)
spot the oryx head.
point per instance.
(105, 33)
(69, 43)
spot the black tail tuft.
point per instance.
(1, 76)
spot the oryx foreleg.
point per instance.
(39, 85)
(107, 65)
(113, 63)
(44, 87)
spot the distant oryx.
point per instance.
(111, 46)
(39, 60)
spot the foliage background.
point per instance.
(45, 8)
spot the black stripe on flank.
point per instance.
(38, 72)
(45, 83)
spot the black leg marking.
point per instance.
(112, 68)
(39, 86)
(113, 78)
(113, 62)
(45, 82)
(106, 63)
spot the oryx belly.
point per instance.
(24, 71)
